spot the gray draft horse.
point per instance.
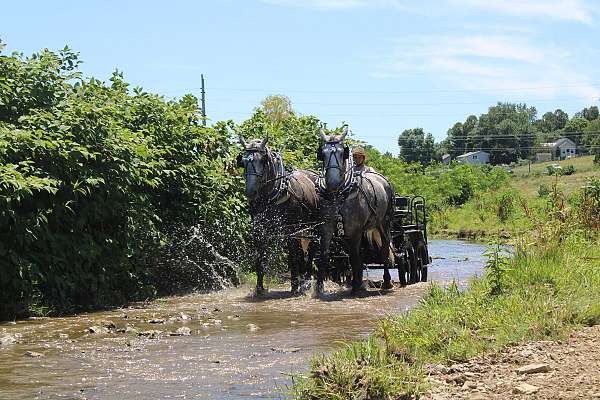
(281, 203)
(365, 203)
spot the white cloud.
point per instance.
(336, 4)
(490, 63)
(568, 10)
(564, 10)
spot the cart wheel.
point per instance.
(413, 266)
(422, 267)
(400, 262)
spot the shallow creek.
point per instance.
(236, 346)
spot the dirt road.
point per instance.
(542, 370)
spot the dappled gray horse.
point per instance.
(364, 201)
(281, 203)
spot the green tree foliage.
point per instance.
(553, 121)
(277, 107)
(93, 182)
(574, 127)
(296, 137)
(458, 136)
(506, 131)
(416, 146)
(588, 113)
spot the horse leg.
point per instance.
(293, 263)
(323, 267)
(308, 271)
(386, 251)
(260, 266)
(356, 261)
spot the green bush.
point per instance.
(568, 170)
(543, 190)
(94, 179)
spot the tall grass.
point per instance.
(549, 287)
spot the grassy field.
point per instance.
(528, 183)
(503, 213)
(549, 287)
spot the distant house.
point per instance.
(474, 157)
(562, 149)
(446, 158)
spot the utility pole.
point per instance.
(203, 101)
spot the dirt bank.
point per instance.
(542, 370)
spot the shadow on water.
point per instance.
(336, 294)
(222, 345)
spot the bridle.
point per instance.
(273, 161)
(333, 160)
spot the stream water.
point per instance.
(238, 346)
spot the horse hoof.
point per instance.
(320, 288)
(260, 291)
(305, 286)
(359, 288)
(387, 285)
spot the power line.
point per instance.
(386, 92)
(516, 136)
(232, 100)
(407, 91)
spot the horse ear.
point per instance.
(239, 161)
(320, 153)
(346, 152)
(344, 132)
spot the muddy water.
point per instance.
(239, 346)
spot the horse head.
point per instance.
(256, 161)
(334, 154)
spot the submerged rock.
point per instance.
(34, 354)
(252, 327)
(6, 340)
(183, 331)
(285, 349)
(151, 334)
(97, 329)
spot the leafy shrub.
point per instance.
(543, 190)
(568, 170)
(93, 180)
(505, 205)
(552, 170)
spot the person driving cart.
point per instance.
(360, 156)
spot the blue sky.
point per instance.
(380, 65)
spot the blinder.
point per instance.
(346, 152)
(239, 160)
(320, 153)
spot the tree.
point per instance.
(506, 131)
(553, 121)
(574, 127)
(459, 136)
(278, 107)
(589, 113)
(416, 146)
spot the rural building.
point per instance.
(474, 157)
(562, 149)
(446, 158)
